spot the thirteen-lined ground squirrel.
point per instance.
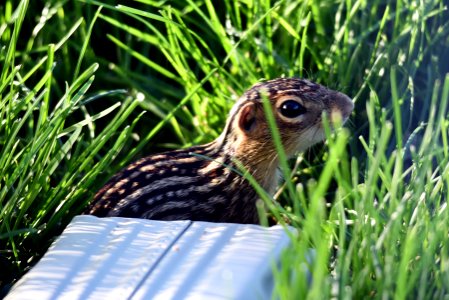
(198, 184)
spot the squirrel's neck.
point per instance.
(257, 157)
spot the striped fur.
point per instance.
(199, 183)
(179, 185)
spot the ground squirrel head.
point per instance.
(298, 106)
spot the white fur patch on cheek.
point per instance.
(310, 137)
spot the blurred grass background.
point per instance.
(88, 86)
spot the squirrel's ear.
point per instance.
(247, 117)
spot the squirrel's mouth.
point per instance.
(339, 111)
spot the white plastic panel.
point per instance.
(98, 258)
(119, 258)
(217, 261)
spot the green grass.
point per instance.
(88, 86)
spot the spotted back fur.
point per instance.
(200, 183)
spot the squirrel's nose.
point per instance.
(343, 104)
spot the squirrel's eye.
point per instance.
(292, 109)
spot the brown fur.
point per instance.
(211, 192)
